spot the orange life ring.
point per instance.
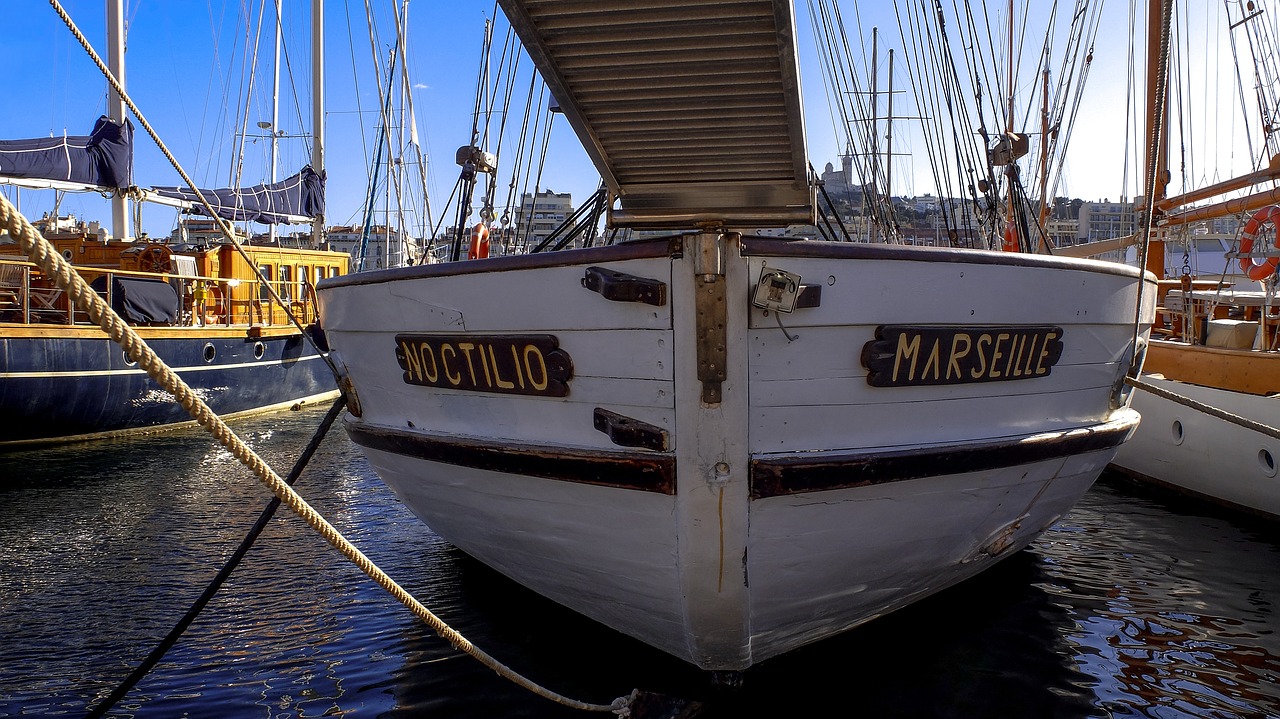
(1010, 243)
(479, 242)
(1255, 271)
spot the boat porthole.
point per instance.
(128, 362)
(66, 255)
(1177, 431)
(1267, 462)
(259, 349)
(209, 352)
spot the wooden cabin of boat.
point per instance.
(216, 286)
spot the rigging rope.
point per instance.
(223, 225)
(50, 262)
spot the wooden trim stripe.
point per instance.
(798, 473)
(644, 471)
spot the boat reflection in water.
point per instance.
(1125, 608)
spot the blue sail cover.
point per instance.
(104, 158)
(300, 196)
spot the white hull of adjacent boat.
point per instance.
(1193, 452)
(713, 484)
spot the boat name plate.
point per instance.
(507, 364)
(907, 356)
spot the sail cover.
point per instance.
(299, 198)
(104, 158)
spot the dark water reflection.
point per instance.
(1130, 607)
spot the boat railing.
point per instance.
(28, 297)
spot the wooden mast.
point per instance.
(1157, 147)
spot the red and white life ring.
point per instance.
(479, 242)
(1256, 271)
(1009, 242)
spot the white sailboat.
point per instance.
(723, 444)
(1216, 341)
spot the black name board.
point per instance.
(510, 364)
(905, 356)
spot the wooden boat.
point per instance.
(205, 307)
(723, 444)
(1215, 343)
(204, 311)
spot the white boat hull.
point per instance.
(791, 500)
(1192, 452)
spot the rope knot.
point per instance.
(622, 705)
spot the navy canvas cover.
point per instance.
(104, 158)
(141, 301)
(301, 195)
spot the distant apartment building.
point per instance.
(538, 216)
(1105, 220)
(387, 246)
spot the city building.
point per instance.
(387, 246)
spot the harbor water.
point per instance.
(1133, 605)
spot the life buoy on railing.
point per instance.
(1010, 242)
(479, 242)
(1255, 271)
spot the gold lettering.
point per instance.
(455, 378)
(466, 348)
(504, 384)
(484, 365)
(432, 374)
(996, 354)
(515, 360)
(1044, 353)
(542, 364)
(982, 357)
(1031, 353)
(953, 363)
(934, 361)
(1019, 342)
(414, 368)
(906, 349)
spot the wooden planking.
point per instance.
(883, 290)
(851, 555)
(1245, 371)
(608, 554)
(486, 302)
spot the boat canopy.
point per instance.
(103, 159)
(294, 200)
(690, 109)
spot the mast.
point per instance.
(875, 132)
(317, 106)
(1157, 158)
(275, 106)
(1044, 151)
(888, 136)
(1012, 168)
(115, 106)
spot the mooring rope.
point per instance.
(1209, 409)
(50, 262)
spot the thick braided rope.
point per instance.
(46, 257)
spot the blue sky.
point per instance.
(184, 63)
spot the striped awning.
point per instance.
(690, 109)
